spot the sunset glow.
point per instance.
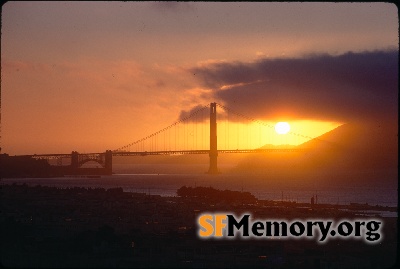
(94, 76)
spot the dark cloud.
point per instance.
(348, 87)
(198, 113)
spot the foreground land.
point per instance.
(79, 227)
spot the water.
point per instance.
(260, 186)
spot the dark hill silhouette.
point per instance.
(358, 146)
(350, 152)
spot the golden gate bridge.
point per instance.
(191, 135)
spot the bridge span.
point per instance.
(104, 159)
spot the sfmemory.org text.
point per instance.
(223, 225)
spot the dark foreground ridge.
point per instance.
(80, 227)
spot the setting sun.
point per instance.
(282, 127)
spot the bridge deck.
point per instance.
(175, 152)
(182, 152)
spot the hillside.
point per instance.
(349, 152)
(366, 146)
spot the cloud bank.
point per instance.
(348, 87)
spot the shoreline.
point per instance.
(154, 185)
(361, 209)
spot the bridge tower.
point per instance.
(213, 139)
(108, 162)
(74, 162)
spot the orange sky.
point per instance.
(91, 76)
